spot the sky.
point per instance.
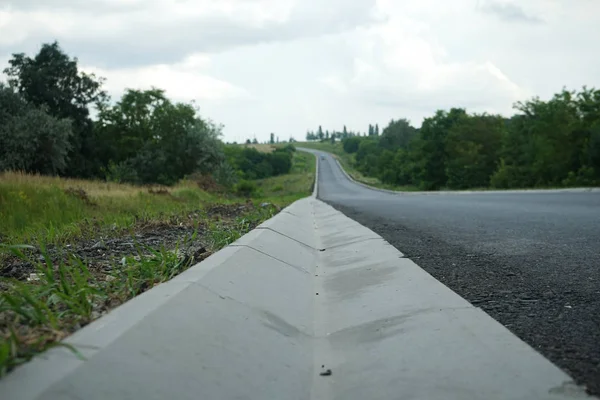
(287, 66)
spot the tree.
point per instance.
(30, 139)
(370, 130)
(254, 141)
(376, 131)
(431, 148)
(272, 140)
(473, 149)
(344, 133)
(398, 134)
(320, 134)
(149, 139)
(248, 141)
(351, 144)
(326, 135)
(52, 80)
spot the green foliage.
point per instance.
(30, 139)
(473, 146)
(351, 144)
(46, 127)
(225, 175)
(546, 144)
(246, 188)
(253, 164)
(148, 139)
(398, 134)
(53, 81)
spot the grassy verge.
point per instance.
(347, 162)
(292, 186)
(71, 250)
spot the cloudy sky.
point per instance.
(285, 66)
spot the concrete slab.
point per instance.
(294, 227)
(265, 284)
(262, 319)
(283, 248)
(200, 346)
(452, 354)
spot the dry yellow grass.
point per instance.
(263, 148)
(53, 209)
(94, 189)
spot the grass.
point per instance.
(293, 186)
(65, 292)
(55, 210)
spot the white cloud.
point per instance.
(284, 66)
(184, 81)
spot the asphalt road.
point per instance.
(530, 260)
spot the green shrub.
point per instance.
(246, 188)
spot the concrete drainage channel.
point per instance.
(310, 305)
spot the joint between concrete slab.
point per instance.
(284, 235)
(269, 316)
(354, 242)
(268, 255)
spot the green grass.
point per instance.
(285, 189)
(55, 210)
(66, 294)
(36, 315)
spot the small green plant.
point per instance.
(246, 188)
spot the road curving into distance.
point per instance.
(530, 260)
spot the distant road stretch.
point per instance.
(530, 260)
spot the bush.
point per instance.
(583, 177)
(289, 148)
(121, 173)
(225, 175)
(246, 188)
(351, 144)
(30, 139)
(256, 165)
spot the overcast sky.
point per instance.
(285, 66)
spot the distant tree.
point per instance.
(473, 147)
(344, 133)
(431, 148)
(326, 135)
(351, 144)
(52, 80)
(376, 131)
(320, 134)
(248, 141)
(370, 130)
(30, 139)
(254, 141)
(398, 134)
(149, 139)
(272, 140)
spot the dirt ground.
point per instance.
(104, 253)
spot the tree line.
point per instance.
(326, 135)
(553, 143)
(46, 127)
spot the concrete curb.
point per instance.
(310, 305)
(315, 193)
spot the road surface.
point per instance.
(530, 260)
